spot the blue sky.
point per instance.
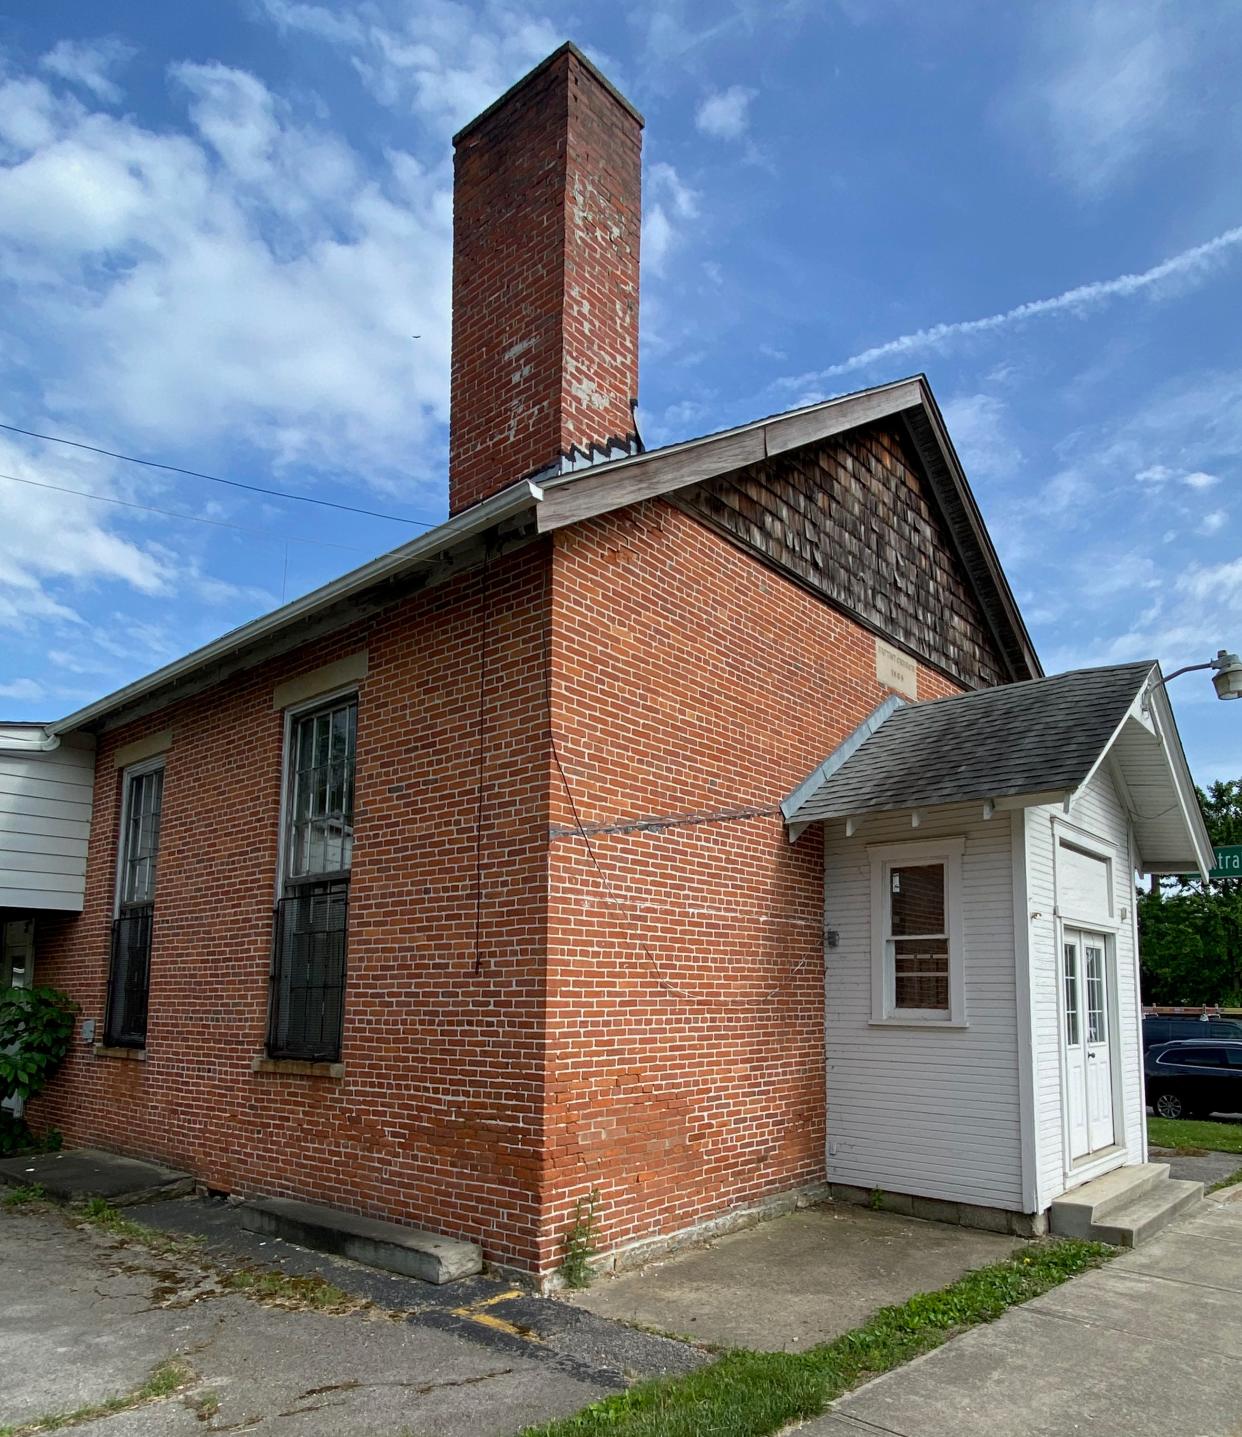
(220, 227)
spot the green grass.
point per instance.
(167, 1378)
(289, 1289)
(277, 1288)
(22, 1196)
(749, 1394)
(1234, 1177)
(1183, 1134)
(99, 1212)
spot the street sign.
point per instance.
(1228, 862)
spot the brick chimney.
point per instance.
(545, 279)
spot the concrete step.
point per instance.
(1140, 1221)
(369, 1240)
(1074, 1213)
(79, 1173)
(1125, 1207)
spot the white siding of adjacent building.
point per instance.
(1098, 816)
(930, 1112)
(45, 819)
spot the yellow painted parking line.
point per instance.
(476, 1313)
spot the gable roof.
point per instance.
(584, 492)
(559, 499)
(1028, 743)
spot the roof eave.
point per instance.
(1183, 780)
(454, 531)
(587, 493)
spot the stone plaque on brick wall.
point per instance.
(895, 670)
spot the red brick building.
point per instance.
(461, 888)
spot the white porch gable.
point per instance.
(1018, 746)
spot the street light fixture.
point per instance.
(1227, 680)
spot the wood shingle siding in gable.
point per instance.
(853, 518)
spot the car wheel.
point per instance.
(1169, 1105)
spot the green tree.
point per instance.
(1190, 931)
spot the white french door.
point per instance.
(1088, 1048)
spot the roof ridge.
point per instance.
(1137, 664)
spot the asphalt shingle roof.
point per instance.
(1033, 737)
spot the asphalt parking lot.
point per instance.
(89, 1315)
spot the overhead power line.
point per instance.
(175, 514)
(216, 478)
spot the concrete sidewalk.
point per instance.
(797, 1280)
(1149, 1344)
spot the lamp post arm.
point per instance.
(1188, 669)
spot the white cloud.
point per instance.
(89, 64)
(982, 434)
(438, 59)
(1199, 480)
(236, 114)
(1157, 474)
(725, 114)
(1109, 81)
(27, 690)
(247, 278)
(1213, 522)
(668, 205)
(1190, 265)
(54, 547)
(317, 20)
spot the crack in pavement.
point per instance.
(355, 1385)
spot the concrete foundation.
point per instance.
(960, 1214)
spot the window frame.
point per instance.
(128, 777)
(1070, 835)
(288, 886)
(947, 852)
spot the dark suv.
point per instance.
(1188, 1026)
(1191, 1080)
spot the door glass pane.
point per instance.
(16, 952)
(1096, 1026)
(1071, 995)
(916, 898)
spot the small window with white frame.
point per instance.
(312, 907)
(917, 957)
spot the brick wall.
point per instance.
(545, 277)
(692, 690)
(661, 1041)
(437, 1118)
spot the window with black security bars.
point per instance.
(129, 970)
(311, 920)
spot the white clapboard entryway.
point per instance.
(985, 1049)
(1088, 1056)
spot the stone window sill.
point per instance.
(296, 1068)
(132, 1055)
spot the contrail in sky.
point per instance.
(1083, 296)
